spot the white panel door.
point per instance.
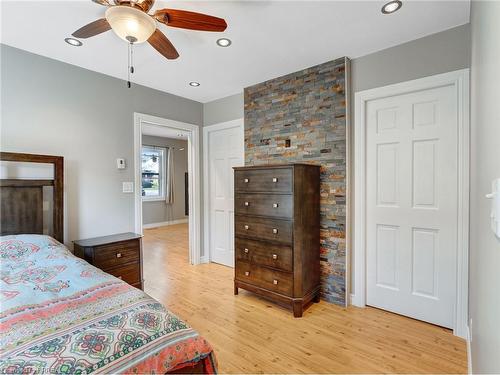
(412, 204)
(226, 148)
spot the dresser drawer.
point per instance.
(274, 180)
(271, 205)
(114, 255)
(262, 228)
(131, 273)
(264, 253)
(276, 281)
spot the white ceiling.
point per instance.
(270, 38)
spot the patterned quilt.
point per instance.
(61, 315)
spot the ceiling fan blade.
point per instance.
(93, 28)
(106, 3)
(160, 42)
(190, 20)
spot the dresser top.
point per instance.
(105, 240)
(267, 166)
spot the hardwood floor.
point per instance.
(251, 335)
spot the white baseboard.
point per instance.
(355, 301)
(164, 223)
(204, 259)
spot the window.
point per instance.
(153, 173)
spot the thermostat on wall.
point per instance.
(120, 163)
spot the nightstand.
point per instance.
(119, 255)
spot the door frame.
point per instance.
(238, 123)
(460, 81)
(193, 151)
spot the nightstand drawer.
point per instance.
(114, 255)
(118, 254)
(131, 273)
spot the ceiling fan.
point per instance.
(130, 20)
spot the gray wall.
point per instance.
(222, 110)
(50, 107)
(437, 53)
(484, 297)
(159, 211)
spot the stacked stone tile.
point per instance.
(308, 108)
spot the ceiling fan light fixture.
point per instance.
(392, 6)
(130, 24)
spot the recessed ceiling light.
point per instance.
(194, 84)
(392, 6)
(224, 42)
(73, 42)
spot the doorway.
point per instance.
(183, 136)
(411, 199)
(223, 150)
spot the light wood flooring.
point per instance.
(251, 335)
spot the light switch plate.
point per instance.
(128, 187)
(495, 207)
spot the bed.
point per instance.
(61, 315)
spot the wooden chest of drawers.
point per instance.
(277, 233)
(119, 255)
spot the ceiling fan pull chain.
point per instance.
(132, 58)
(128, 70)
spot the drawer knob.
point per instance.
(246, 227)
(275, 179)
(247, 204)
(247, 273)
(246, 250)
(275, 205)
(246, 180)
(275, 256)
(275, 230)
(275, 282)
(118, 255)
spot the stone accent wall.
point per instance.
(306, 111)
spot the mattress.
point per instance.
(61, 315)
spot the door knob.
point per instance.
(246, 250)
(275, 282)
(275, 179)
(247, 204)
(247, 273)
(275, 205)
(246, 180)
(275, 256)
(118, 255)
(246, 227)
(275, 231)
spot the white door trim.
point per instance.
(206, 187)
(194, 220)
(460, 80)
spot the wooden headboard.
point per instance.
(21, 200)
